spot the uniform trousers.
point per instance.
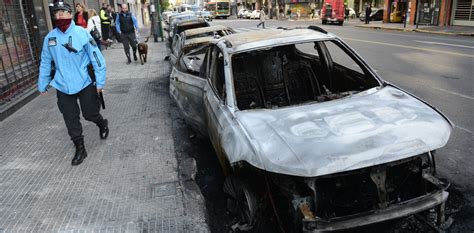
(90, 105)
(129, 39)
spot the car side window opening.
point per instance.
(216, 75)
(192, 61)
(297, 74)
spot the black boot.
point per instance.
(103, 129)
(81, 153)
(128, 58)
(135, 55)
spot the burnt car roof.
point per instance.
(196, 31)
(256, 39)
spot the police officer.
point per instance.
(127, 26)
(72, 49)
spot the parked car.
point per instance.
(192, 38)
(185, 25)
(376, 15)
(175, 19)
(255, 14)
(333, 12)
(303, 127)
(247, 14)
(352, 13)
(241, 14)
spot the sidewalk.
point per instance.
(128, 183)
(447, 30)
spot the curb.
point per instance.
(417, 30)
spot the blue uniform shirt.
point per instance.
(71, 67)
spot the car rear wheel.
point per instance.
(241, 203)
(325, 21)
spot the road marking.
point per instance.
(461, 128)
(446, 44)
(454, 93)
(411, 47)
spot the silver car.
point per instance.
(305, 129)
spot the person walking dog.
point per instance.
(71, 48)
(127, 26)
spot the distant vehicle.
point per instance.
(255, 14)
(376, 15)
(241, 13)
(333, 12)
(221, 8)
(352, 13)
(207, 15)
(247, 14)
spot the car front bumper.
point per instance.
(394, 211)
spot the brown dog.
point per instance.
(143, 50)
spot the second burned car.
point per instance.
(304, 128)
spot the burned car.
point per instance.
(308, 134)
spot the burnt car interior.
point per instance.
(296, 74)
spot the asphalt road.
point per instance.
(439, 69)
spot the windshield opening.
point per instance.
(297, 74)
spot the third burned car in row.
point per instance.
(304, 128)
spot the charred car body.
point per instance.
(193, 38)
(305, 130)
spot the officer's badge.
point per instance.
(92, 41)
(52, 41)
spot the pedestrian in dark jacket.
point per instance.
(368, 11)
(127, 27)
(72, 49)
(81, 16)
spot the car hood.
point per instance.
(377, 126)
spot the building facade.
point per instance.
(430, 12)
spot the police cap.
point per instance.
(60, 5)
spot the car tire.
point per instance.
(325, 21)
(242, 202)
(341, 23)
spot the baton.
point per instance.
(101, 96)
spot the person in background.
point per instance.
(346, 12)
(81, 17)
(368, 11)
(72, 50)
(127, 26)
(262, 19)
(94, 22)
(105, 22)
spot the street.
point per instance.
(436, 68)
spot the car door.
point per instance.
(187, 81)
(218, 114)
